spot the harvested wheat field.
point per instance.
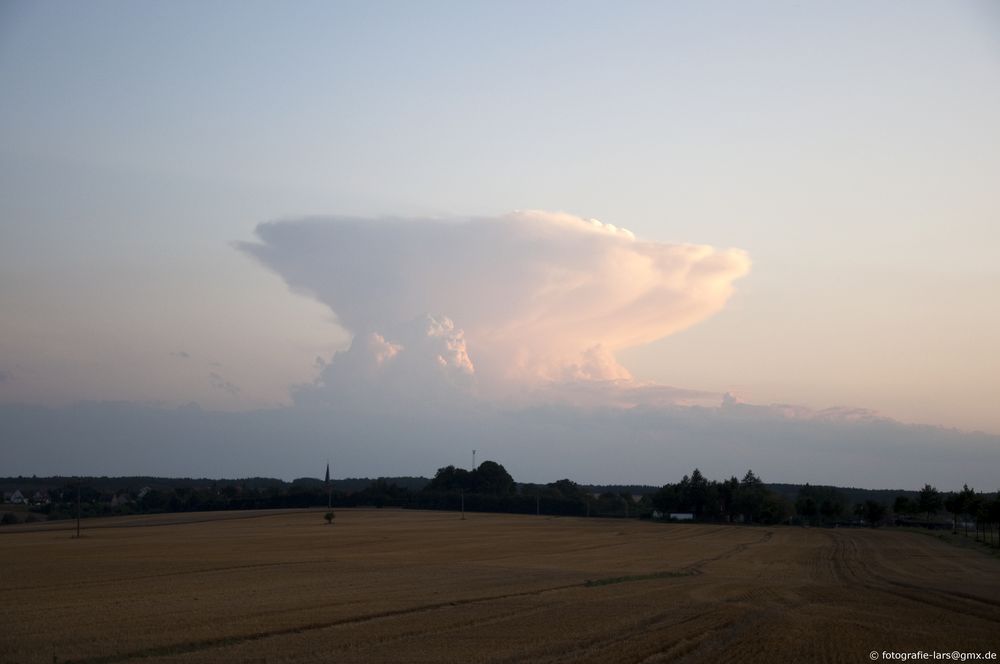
(407, 586)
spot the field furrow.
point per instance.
(407, 586)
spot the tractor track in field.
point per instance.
(862, 568)
(151, 521)
(236, 639)
(164, 575)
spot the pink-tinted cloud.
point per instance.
(530, 298)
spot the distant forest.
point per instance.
(490, 488)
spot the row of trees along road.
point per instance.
(966, 507)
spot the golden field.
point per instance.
(409, 586)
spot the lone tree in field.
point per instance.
(329, 517)
(929, 500)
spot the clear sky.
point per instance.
(851, 149)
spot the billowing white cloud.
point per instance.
(426, 357)
(526, 299)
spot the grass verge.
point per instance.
(956, 539)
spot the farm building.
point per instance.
(673, 516)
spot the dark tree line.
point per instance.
(820, 505)
(745, 500)
(489, 478)
(967, 508)
(490, 488)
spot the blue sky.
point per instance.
(851, 149)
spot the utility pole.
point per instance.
(329, 488)
(538, 504)
(473, 459)
(78, 509)
(463, 504)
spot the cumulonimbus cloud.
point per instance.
(528, 298)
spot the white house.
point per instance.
(681, 516)
(17, 498)
(120, 499)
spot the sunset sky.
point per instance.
(589, 228)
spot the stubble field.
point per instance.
(408, 586)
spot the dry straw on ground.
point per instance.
(406, 586)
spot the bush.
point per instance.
(9, 518)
